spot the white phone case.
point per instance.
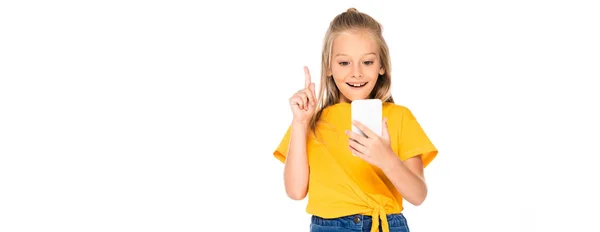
(369, 113)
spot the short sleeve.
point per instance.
(281, 152)
(414, 141)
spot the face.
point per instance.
(355, 65)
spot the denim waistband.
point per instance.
(357, 221)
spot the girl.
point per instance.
(364, 191)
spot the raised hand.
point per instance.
(304, 102)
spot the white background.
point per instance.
(163, 115)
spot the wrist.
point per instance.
(300, 124)
(393, 162)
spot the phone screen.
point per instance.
(369, 113)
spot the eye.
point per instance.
(368, 62)
(343, 63)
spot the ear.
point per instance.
(329, 72)
(381, 71)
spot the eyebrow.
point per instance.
(342, 54)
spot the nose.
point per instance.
(357, 71)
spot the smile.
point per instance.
(357, 84)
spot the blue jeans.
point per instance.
(356, 223)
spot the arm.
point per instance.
(296, 164)
(408, 178)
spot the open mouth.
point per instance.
(356, 84)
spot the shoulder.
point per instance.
(396, 111)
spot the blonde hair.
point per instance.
(351, 20)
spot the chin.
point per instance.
(355, 96)
(358, 98)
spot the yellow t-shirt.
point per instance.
(342, 184)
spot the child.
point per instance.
(354, 183)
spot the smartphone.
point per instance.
(369, 113)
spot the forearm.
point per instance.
(296, 170)
(410, 185)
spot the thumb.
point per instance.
(385, 133)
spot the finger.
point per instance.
(296, 100)
(354, 151)
(356, 137)
(364, 129)
(357, 146)
(307, 78)
(310, 95)
(385, 133)
(304, 97)
(358, 153)
(301, 100)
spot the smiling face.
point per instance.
(355, 64)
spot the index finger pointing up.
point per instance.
(307, 78)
